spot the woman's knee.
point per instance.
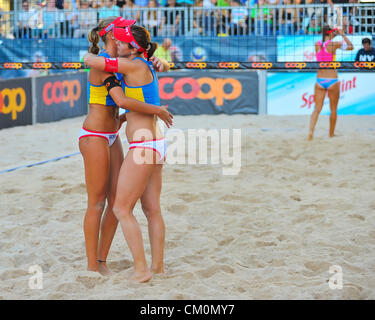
(151, 211)
(317, 110)
(333, 113)
(121, 211)
(96, 207)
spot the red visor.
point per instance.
(126, 35)
(120, 22)
(331, 31)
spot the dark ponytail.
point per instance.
(152, 46)
(325, 30)
(143, 38)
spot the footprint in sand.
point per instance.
(233, 197)
(188, 197)
(178, 208)
(70, 287)
(90, 279)
(282, 237)
(317, 266)
(226, 241)
(295, 197)
(80, 189)
(211, 271)
(48, 178)
(357, 216)
(13, 274)
(230, 207)
(265, 244)
(120, 265)
(12, 190)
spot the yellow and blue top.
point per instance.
(148, 93)
(99, 94)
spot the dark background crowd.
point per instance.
(74, 18)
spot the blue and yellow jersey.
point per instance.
(99, 94)
(148, 93)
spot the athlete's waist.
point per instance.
(327, 73)
(101, 124)
(102, 112)
(102, 107)
(142, 135)
(96, 130)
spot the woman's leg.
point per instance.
(96, 161)
(132, 182)
(150, 201)
(109, 221)
(319, 94)
(334, 96)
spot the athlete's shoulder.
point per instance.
(104, 54)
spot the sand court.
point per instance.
(273, 231)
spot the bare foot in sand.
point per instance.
(94, 268)
(104, 270)
(90, 273)
(159, 270)
(310, 137)
(332, 135)
(141, 276)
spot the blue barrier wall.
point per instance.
(241, 48)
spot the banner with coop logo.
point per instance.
(209, 92)
(293, 94)
(15, 103)
(61, 96)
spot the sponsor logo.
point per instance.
(62, 91)
(196, 65)
(12, 101)
(12, 65)
(295, 65)
(333, 65)
(199, 54)
(171, 65)
(345, 85)
(231, 65)
(194, 90)
(368, 65)
(72, 65)
(42, 65)
(261, 65)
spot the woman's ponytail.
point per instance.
(93, 37)
(152, 46)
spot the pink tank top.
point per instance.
(323, 54)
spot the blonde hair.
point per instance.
(93, 35)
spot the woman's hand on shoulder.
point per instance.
(87, 59)
(160, 65)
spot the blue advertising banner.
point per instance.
(211, 92)
(15, 103)
(61, 96)
(240, 48)
(293, 94)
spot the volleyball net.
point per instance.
(239, 36)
